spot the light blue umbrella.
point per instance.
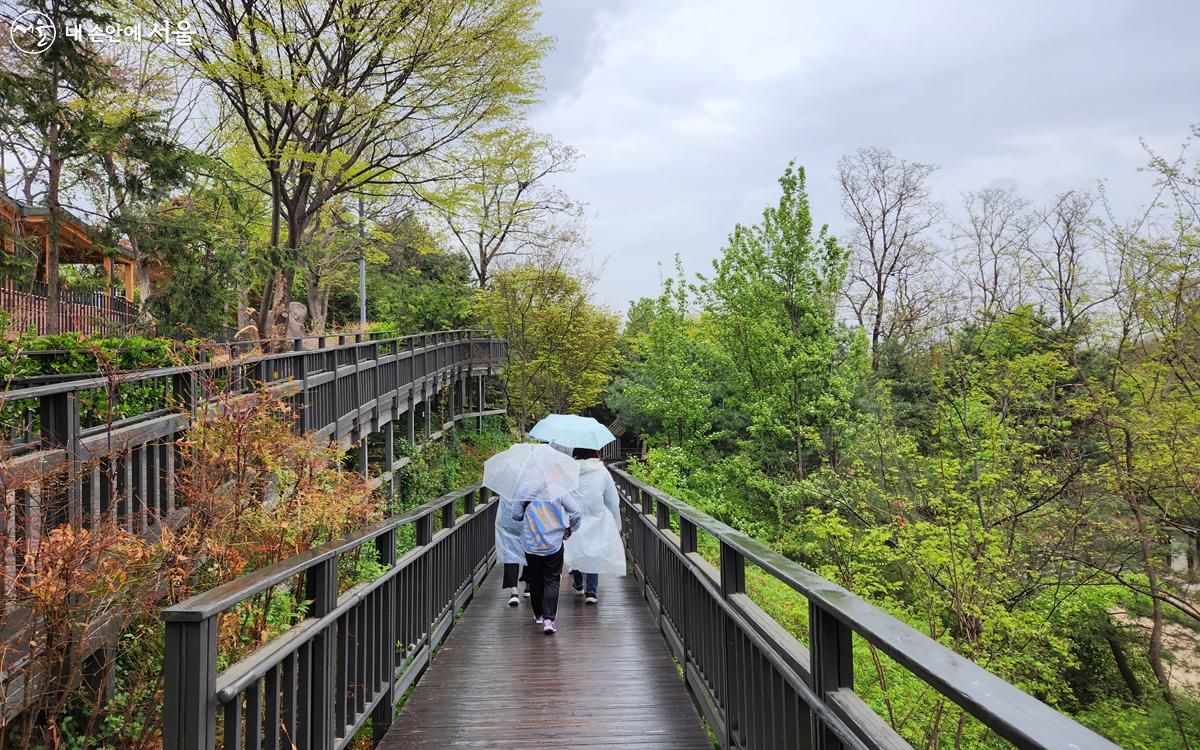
(572, 431)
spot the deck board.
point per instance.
(605, 680)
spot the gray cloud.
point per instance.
(687, 112)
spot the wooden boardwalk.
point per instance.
(605, 680)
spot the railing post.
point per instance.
(59, 415)
(662, 514)
(480, 407)
(190, 685)
(185, 387)
(389, 462)
(320, 587)
(733, 581)
(364, 463)
(412, 417)
(385, 645)
(687, 535)
(305, 419)
(831, 651)
(424, 533)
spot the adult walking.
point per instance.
(596, 549)
(510, 550)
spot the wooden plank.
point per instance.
(606, 679)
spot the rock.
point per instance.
(297, 315)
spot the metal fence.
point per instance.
(91, 313)
(758, 686)
(125, 467)
(350, 658)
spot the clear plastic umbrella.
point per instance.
(531, 471)
(572, 431)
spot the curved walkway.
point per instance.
(605, 680)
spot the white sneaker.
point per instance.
(548, 627)
(513, 599)
(538, 620)
(590, 599)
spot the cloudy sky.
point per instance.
(687, 111)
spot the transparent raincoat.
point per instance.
(596, 547)
(509, 548)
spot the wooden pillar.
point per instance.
(107, 276)
(129, 281)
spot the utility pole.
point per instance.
(362, 268)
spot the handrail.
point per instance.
(670, 564)
(289, 344)
(232, 593)
(91, 381)
(353, 654)
(126, 467)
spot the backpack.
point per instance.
(546, 523)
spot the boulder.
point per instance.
(297, 316)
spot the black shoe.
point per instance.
(590, 599)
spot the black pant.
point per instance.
(544, 572)
(510, 576)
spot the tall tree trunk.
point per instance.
(877, 327)
(1118, 652)
(316, 310)
(54, 162)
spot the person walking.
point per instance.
(597, 548)
(510, 550)
(545, 524)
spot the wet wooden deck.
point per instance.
(605, 680)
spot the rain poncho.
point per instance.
(596, 547)
(509, 548)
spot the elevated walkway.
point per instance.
(605, 680)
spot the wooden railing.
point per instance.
(126, 467)
(95, 312)
(758, 686)
(351, 657)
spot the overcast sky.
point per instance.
(687, 111)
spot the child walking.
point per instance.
(545, 523)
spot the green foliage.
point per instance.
(1008, 488)
(561, 346)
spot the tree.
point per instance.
(665, 389)
(994, 242)
(561, 347)
(498, 204)
(135, 160)
(1062, 279)
(773, 299)
(52, 95)
(888, 203)
(198, 245)
(356, 97)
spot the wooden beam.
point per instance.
(129, 281)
